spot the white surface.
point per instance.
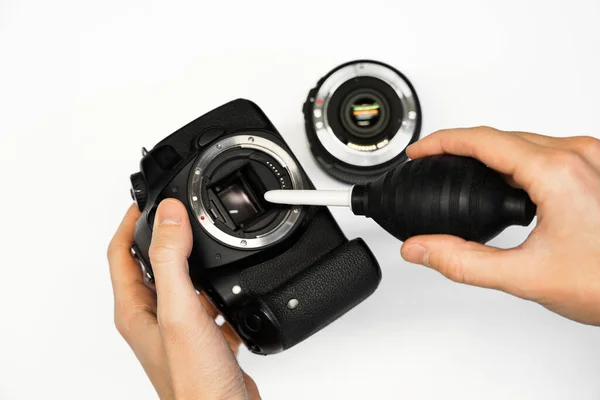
(310, 197)
(84, 85)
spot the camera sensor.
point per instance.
(359, 120)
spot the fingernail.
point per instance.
(170, 213)
(416, 254)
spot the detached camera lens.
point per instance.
(360, 118)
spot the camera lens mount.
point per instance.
(226, 188)
(360, 118)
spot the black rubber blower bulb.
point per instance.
(443, 194)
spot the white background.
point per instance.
(84, 85)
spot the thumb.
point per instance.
(200, 360)
(169, 251)
(466, 262)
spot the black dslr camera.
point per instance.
(277, 274)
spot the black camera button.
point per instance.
(139, 191)
(253, 322)
(209, 134)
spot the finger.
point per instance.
(124, 271)
(232, 337)
(135, 303)
(251, 387)
(135, 306)
(469, 262)
(228, 332)
(509, 179)
(586, 146)
(208, 306)
(507, 154)
(200, 360)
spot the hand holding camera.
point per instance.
(183, 352)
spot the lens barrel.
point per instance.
(360, 118)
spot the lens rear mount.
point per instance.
(360, 118)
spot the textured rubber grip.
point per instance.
(444, 194)
(319, 295)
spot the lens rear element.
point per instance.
(364, 116)
(365, 112)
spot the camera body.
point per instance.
(277, 274)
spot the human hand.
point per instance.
(173, 334)
(558, 266)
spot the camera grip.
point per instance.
(318, 295)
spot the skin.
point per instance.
(187, 355)
(558, 266)
(173, 332)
